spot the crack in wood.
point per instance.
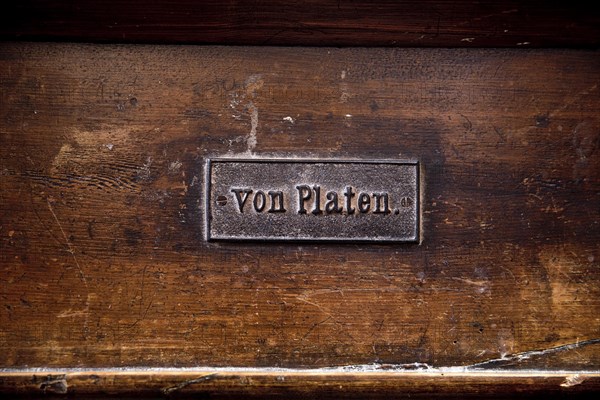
(184, 384)
(518, 357)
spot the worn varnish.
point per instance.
(103, 260)
(299, 384)
(425, 23)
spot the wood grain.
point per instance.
(455, 23)
(297, 384)
(102, 256)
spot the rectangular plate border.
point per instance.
(207, 188)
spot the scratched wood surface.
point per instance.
(301, 384)
(451, 23)
(102, 258)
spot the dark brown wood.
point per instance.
(102, 257)
(297, 384)
(456, 23)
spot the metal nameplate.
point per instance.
(312, 200)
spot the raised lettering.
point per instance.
(276, 198)
(304, 194)
(241, 200)
(349, 194)
(332, 204)
(317, 210)
(259, 201)
(364, 202)
(380, 198)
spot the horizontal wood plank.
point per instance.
(223, 383)
(455, 23)
(103, 261)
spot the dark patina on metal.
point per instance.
(312, 200)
